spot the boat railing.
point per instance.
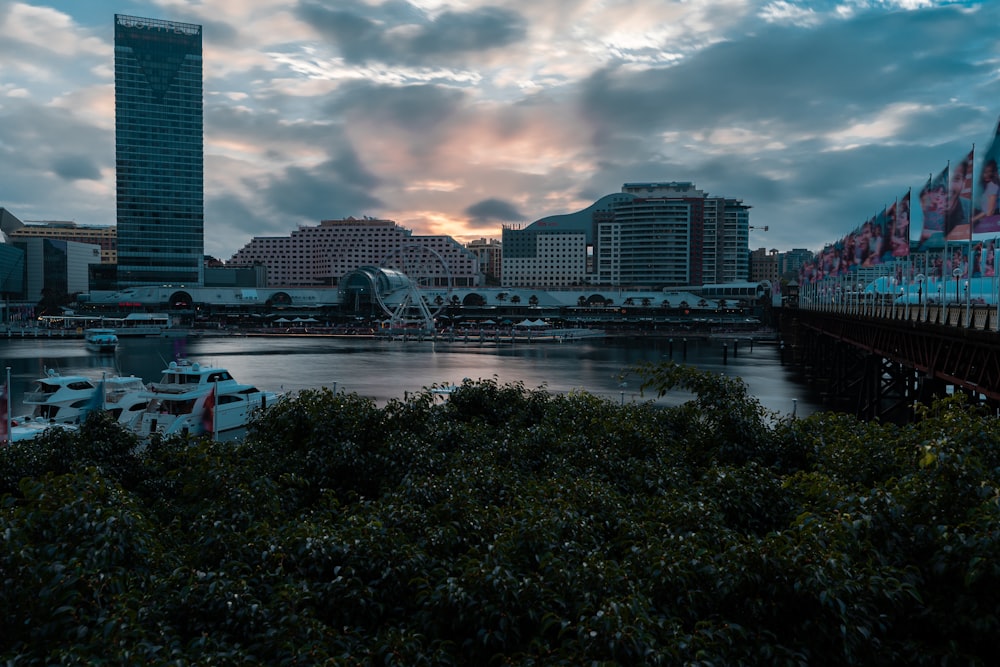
(118, 393)
(37, 396)
(173, 387)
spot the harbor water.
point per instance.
(391, 369)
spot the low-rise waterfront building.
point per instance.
(490, 254)
(55, 267)
(764, 265)
(318, 256)
(103, 236)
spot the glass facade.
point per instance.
(11, 271)
(159, 152)
(55, 268)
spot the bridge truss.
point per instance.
(882, 366)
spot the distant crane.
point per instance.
(764, 228)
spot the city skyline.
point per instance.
(458, 119)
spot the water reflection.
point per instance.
(389, 369)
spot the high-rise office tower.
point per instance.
(159, 152)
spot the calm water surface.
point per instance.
(384, 369)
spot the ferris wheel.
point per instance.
(428, 285)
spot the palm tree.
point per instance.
(514, 300)
(501, 296)
(533, 300)
(475, 300)
(645, 302)
(582, 301)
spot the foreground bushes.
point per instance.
(509, 526)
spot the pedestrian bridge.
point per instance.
(877, 358)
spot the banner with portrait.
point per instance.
(899, 237)
(986, 193)
(956, 218)
(933, 205)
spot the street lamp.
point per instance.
(920, 278)
(958, 274)
(968, 302)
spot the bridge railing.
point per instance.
(978, 317)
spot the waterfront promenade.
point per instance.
(472, 335)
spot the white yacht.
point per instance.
(66, 399)
(192, 399)
(32, 429)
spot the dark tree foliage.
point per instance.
(509, 526)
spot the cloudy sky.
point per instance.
(457, 117)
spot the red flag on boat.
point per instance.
(208, 414)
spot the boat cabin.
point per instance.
(182, 376)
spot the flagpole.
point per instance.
(968, 262)
(215, 412)
(6, 392)
(946, 267)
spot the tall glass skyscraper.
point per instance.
(159, 152)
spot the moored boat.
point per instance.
(192, 399)
(104, 341)
(66, 399)
(30, 430)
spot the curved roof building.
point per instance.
(649, 234)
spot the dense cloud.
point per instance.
(335, 189)
(806, 81)
(76, 167)
(411, 37)
(494, 210)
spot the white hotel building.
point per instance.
(319, 256)
(649, 234)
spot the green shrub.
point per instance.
(509, 526)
